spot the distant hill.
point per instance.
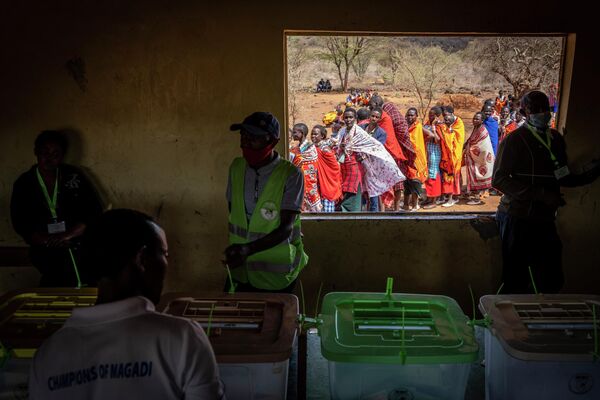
(447, 43)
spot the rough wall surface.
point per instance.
(148, 90)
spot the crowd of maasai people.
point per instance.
(375, 158)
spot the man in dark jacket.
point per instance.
(50, 207)
(530, 169)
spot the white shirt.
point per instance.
(125, 350)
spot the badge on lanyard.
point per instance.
(56, 226)
(561, 172)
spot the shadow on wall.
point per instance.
(74, 157)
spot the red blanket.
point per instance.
(330, 176)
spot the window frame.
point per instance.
(564, 83)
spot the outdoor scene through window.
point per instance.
(409, 124)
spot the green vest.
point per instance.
(277, 267)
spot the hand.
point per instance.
(236, 254)
(58, 240)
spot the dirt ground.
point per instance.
(313, 106)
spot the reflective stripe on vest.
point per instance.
(243, 233)
(276, 268)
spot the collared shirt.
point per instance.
(255, 181)
(125, 349)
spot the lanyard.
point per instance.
(51, 202)
(546, 143)
(52, 207)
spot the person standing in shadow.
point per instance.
(51, 205)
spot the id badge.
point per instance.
(561, 172)
(57, 227)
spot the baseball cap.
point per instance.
(260, 124)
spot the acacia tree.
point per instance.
(342, 51)
(361, 64)
(424, 70)
(525, 63)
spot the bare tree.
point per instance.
(342, 51)
(424, 70)
(393, 63)
(296, 58)
(361, 63)
(524, 62)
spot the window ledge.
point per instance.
(338, 216)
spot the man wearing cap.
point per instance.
(265, 194)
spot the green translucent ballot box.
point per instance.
(27, 318)
(542, 346)
(396, 346)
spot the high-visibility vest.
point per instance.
(277, 267)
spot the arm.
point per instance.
(430, 134)
(64, 239)
(585, 178)
(437, 133)
(573, 180)
(236, 254)
(82, 207)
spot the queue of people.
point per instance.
(430, 156)
(359, 97)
